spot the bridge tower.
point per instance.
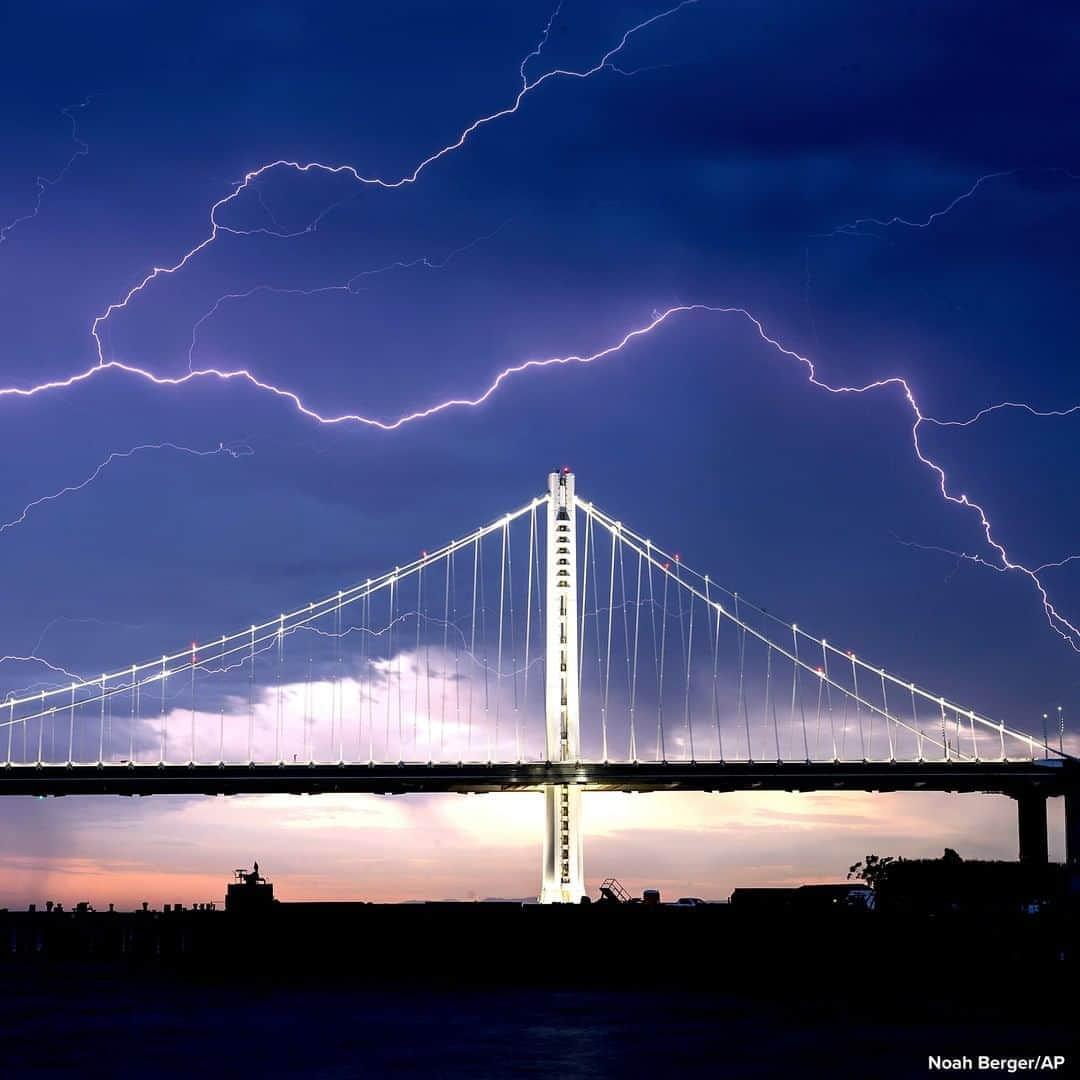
(563, 870)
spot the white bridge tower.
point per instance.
(563, 874)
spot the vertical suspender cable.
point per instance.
(794, 687)
(221, 710)
(606, 698)
(309, 753)
(134, 716)
(626, 626)
(528, 621)
(398, 680)
(687, 639)
(251, 702)
(485, 659)
(858, 711)
(541, 651)
(794, 694)
(596, 627)
(741, 703)
(817, 718)
(633, 676)
(472, 640)
(870, 735)
(846, 695)
(71, 729)
(888, 717)
(584, 588)
(458, 637)
(499, 647)
(655, 639)
(684, 666)
(387, 756)
(660, 693)
(368, 681)
(445, 652)
(100, 734)
(194, 660)
(279, 712)
(336, 703)
(770, 705)
(101, 730)
(164, 714)
(916, 724)
(416, 657)
(513, 641)
(367, 675)
(828, 696)
(428, 712)
(714, 643)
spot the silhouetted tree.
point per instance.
(874, 869)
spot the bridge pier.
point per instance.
(1072, 829)
(1031, 827)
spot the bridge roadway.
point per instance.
(1040, 778)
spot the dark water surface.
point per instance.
(90, 1025)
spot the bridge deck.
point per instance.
(1048, 777)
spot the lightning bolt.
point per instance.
(1059, 623)
(75, 619)
(33, 659)
(974, 419)
(978, 560)
(540, 45)
(43, 183)
(529, 84)
(233, 450)
(347, 286)
(854, 228)
(1005, 564)
(34, 656)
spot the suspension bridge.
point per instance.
(553, 649)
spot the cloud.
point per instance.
(436, 846)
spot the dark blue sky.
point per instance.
(714, 175)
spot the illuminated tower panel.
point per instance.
(563, 871)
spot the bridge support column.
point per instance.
(563, 878)
(1031, 822)
(1072, 829)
